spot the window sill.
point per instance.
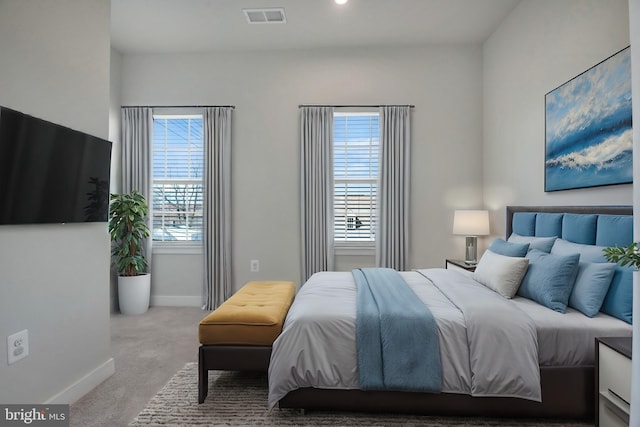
(177, 248)
(355, 248)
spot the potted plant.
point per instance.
(628, 255)
(128, 231)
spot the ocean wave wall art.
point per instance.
(588, 127)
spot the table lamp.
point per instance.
(471, 223)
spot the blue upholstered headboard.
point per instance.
(588, 225)
(589, 228)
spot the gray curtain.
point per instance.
(137, 136)
(316, 136)
(217, 206)
(392, 236)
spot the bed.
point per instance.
(312, 375)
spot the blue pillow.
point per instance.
(549, 279)
(543, 244)
(619, 300)
(501, 247)
(588, 253)
(592, 283)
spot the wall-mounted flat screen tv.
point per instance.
(50, 173)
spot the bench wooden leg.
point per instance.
(229, 358)
(203, 376)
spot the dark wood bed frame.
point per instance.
(567, 392)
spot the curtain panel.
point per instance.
(316, 136)
(136, 172)
(392, 236)
(217, 206)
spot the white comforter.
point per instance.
(488, 346)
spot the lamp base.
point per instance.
(471, 250)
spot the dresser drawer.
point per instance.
(614, 387)
(611, 415)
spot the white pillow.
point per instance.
(500, 273)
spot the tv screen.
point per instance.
(50, 173)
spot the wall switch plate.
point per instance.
(17, 346)
(255, 266)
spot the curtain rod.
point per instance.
(178, 106)
(356, 106)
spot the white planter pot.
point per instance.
(133, 293)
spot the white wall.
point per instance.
(471, 104)
(444, 83)
(540, 45)
(54, 279)
(115, 78)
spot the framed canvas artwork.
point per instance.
(588, 134)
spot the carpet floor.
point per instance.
(147, 349)
(239, 399)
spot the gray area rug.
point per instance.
(240, 399)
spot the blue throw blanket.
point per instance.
(396, 335)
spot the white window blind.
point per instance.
(178, 161)
(356, 162)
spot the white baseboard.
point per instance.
(176, 301)
(85, 384)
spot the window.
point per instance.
(178, 163)
(356, 161)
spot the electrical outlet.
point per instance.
(17, 346)
(255, 266)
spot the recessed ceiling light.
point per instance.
(341, 2)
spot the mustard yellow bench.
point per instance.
(237, 336)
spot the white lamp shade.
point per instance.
(471, 222)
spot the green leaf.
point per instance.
(128, 230)
(625, 256)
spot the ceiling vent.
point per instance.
(265, 16)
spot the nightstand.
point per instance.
(613, 381)
(459, 264)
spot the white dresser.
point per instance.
(613, 381)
